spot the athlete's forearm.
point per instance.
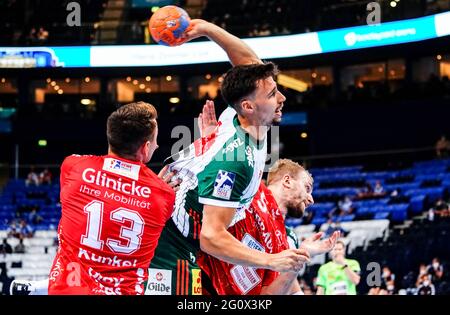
(237, 50)
(284, 284)
(224, 246)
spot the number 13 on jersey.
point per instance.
(131, 236)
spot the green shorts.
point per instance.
(173, 270)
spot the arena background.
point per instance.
(352, 116)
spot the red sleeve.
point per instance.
(67, 164)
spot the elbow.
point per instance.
(207, 242)
(357, 280)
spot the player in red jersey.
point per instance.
(113, 210)
(290, 187)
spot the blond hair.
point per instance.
(283, 167)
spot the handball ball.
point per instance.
(168, 24)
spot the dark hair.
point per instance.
(129, 127)
(240, 81)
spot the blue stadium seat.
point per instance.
(399, 212)
(321, 207)
(402, 186)
(347, 218)
(433, 193)
(293, 222)
(381, 215)
(370, 202)
(318, 221)
(8, 208)
(417, 203)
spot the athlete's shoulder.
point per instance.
(76, 159)
(227, 115)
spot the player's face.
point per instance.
(268, 103)
(152, 146)
(300, 194)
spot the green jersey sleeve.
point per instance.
(292, 238)
(223, 183)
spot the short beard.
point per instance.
(295, 211)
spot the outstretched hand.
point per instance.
(197, 28)
(315, 246)
(168, 178)
(207, 120)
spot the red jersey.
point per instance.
(262, 229)
(113, 212)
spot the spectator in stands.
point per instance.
(339, 276)
(345, 206)
(365, 192)
(45, 177)
(442, 147)
(435, 270)
(441, 208)
(333, 227)
(422, 271)
(34, 217)
(395, 192)
(388, 280)
(42, 35)
(425, 287)
(374, 291)
(430, 214)
(25, 229)
(5, 248)
(378, 190)
(32, 178)
(383, 292)
(5, 281)
(14, 229)
(20, 248)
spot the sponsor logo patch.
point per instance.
(246, 278)
(196, 282)
(159, 282)
(223, 185)
(122, 168)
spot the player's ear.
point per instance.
(144, 151)
(247, 105)
(287, 181)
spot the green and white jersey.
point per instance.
(223, 170)
(292, 238)
(334, 280)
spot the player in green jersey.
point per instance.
(220, 175)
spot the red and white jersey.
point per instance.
(262, 229)
(113, 212)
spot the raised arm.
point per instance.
(237, 50)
